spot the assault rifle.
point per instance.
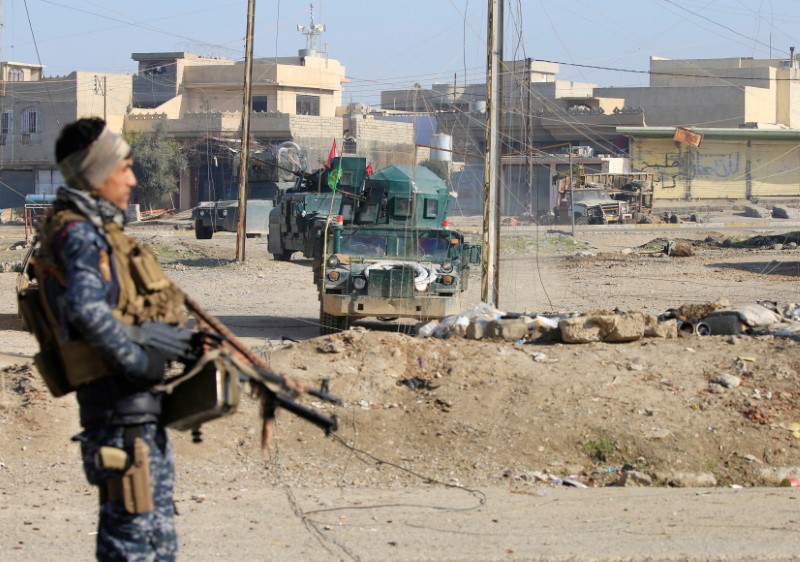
(191, 346)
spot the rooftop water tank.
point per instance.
(441, 140)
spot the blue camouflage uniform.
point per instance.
(116, 409)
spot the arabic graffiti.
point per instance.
(696, 164)
(722, 165)
(674, 166)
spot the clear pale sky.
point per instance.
(388, 45)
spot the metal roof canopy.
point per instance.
(711, 133)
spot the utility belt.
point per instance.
(133, 486)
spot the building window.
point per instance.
(31, 129)
(350, 146)
(260, 103)
(7, 128)
(16, 75)
(308, 105)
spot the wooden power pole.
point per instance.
(245, 155)
(493, 168)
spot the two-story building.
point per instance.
(297, 99)
(33, 109)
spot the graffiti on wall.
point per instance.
(693, 164)
(666, 173)
(720, 165)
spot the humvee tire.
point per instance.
(202, 232)
(285, 255)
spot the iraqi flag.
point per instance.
(331, 156)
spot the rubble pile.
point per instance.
(717, 318)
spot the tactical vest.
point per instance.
(145, 293)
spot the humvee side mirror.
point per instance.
(475, 254)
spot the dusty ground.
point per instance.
(496, 417)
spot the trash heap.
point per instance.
(689, 320)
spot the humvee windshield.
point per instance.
(406, 247)
(424, 247)
(367, 246)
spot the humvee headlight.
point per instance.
(448, 280)
(223, 212)
(333, 262)
(360, 282)
(447, 267)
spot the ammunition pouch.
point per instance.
(205, 392)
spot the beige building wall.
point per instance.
(219, 88)
(788, 97)
(39, 109)
(58, 101)
(382, 142)
(729, 164)
(716, 93)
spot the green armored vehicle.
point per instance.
(300, 213)
(390, 253)
(269, 174)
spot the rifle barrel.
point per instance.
(326, 423)
(257, 362)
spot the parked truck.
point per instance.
(270, 172)
(604, 198)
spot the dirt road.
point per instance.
(508, 421)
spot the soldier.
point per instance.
(95, 279)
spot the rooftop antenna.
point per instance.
(311, 31)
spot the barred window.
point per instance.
(31, 129)
(6, 127)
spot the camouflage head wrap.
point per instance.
(87, 169)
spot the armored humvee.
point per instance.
(269, 174)
(390, 253)
(300, 213)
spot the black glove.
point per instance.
(175, 343)
(154, 373)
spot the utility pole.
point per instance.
(245, 155)
(532, 194)
(571, 193)
(493, 168)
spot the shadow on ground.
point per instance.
(771, 267)
(10, 322)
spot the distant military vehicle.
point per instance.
(300, 213)
(389, 252)
(270, 173)
(594, 205)
(381, 245)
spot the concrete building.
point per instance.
(543, 117)
(718, 93)
(729, 164)
(294, 99)
(33, 110)
(748, 111)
